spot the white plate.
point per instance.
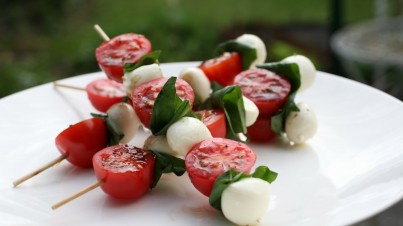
(352, 169)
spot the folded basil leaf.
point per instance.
(168, 108)
(165, 163)
(248, 54)
(147, 59)
(113, 132)
(230, 100)
(231, 176)
(290, 71)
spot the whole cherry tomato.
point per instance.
(210, 158)
(79, 142)
(126, 48)
(223, 69)
(125, 171)
(214, 119)
(144, 95)
(261, 130)
(266, 89)
(103, 93)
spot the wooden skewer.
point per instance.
(39, 170)
(78, 194)
(56, 84)
(101, 32)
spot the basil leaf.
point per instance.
(290, 71)
(147, 59)
(231, 176)
(230, 100)
(113, 132)
(165, 163)
(221, 183)
(264, 173)
(216, 86)
(248, 54)
(168, 108)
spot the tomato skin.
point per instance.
(223, 69)
(126, 48)
(210, 158)
(103, 93)
(79, 142)
(214, 119)
(144, 95)
(266, 89)
(126, 171)
(261, 131)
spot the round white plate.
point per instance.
(351, 170)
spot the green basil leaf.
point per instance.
(216, 86)
(264, 173)
(147, 59)
(248, 54)
(165, 163)
(290, 71)
(113, 132)
(168, 108)
(230, 100)
(221, 183)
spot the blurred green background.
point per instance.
(42, 41)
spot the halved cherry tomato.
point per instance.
(214, 119)
(266, 89)
(144, 95)
(126, 48)
(223, 69)
(79, 142)
(210, 158)
(261, 130)
(125, 171)
(103, 93)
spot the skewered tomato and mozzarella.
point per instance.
(111, 55)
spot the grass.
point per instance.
(46, 41)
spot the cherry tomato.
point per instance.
(223, 69)
(125, 171)
(144, 95)
(210, 158)
(266, 89)
(126, 48)
(261, 130)
(79, 142)
(215, 122)
(103, 93)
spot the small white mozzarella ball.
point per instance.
(251, 111)
(245, 202)
(301, 126)
(255, 42)
(140, 75)
(185, 133)
(158, 143)
(306, 69)
(198, 81)
(123, 115)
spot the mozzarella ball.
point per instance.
(185, 133)
(306, 69)
(123, 115)
(198, 81)
(158, 143)
(255, 42)
(251, 111)
(245, 202)
(140, 75)
(301, 126)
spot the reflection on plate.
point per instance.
(351, 170)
